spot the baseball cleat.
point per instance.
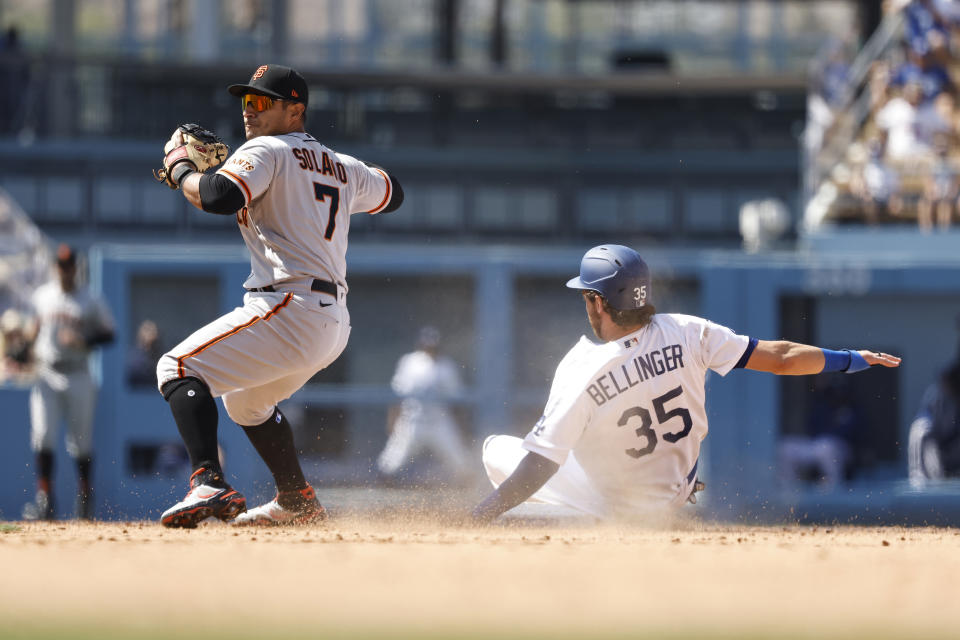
(209, 497)
(41, 508)
(289, 507)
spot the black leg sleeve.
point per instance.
(273, 440)
(85, 474)
(44, 464)
(195, 412)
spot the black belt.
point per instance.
(323, 286)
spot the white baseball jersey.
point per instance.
(57, 309)
(282, 179)
(425, 422)
(298, 197)
(425, 383)
(631, 412)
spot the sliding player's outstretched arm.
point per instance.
(786, 358)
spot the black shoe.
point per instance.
(40, 509)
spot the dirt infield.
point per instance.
(386, 577)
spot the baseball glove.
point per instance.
(192, 144)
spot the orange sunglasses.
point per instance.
(258, 102)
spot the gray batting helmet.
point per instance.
(617, 273)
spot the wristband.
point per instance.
(857, 362)
(181, 171)
(836, 360)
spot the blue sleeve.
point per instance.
(745, 358)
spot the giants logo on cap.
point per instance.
(259, 72)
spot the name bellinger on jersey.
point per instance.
(635, 431)
(640, 368)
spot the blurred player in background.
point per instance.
(621, 432)
(292, 198)
(422, 422)
(933, 448)
(70, 322)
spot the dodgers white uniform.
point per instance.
(625, 419)
(299, 196)
(424, 422)
(65, 390)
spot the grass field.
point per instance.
(382, 575)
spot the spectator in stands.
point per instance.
(877, 185)
(927, 71)
(827, 449)
(948, 12)
(940, 189)
(830, 78)
(933, 448)
(15, 331)
(925, 29)
(936, 120)
(142, 357)
(898, 121)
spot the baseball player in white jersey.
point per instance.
(70, 322)
(292, 198)
(426, 381)
(621, 431)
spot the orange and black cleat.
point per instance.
(209, 497)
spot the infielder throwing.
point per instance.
(71, 322)
(292, 198)
(621, 431)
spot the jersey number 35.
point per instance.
(645, 430)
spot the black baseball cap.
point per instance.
(274, 81)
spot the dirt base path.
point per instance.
(386, 577)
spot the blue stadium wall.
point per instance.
(509, 304)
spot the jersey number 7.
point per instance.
(645, 430)
(321, 191)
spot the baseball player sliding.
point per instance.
(621, 431)
(292, 198)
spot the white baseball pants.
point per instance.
(69, 398)
(435, 432)
(569, 486)
(263, 352)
